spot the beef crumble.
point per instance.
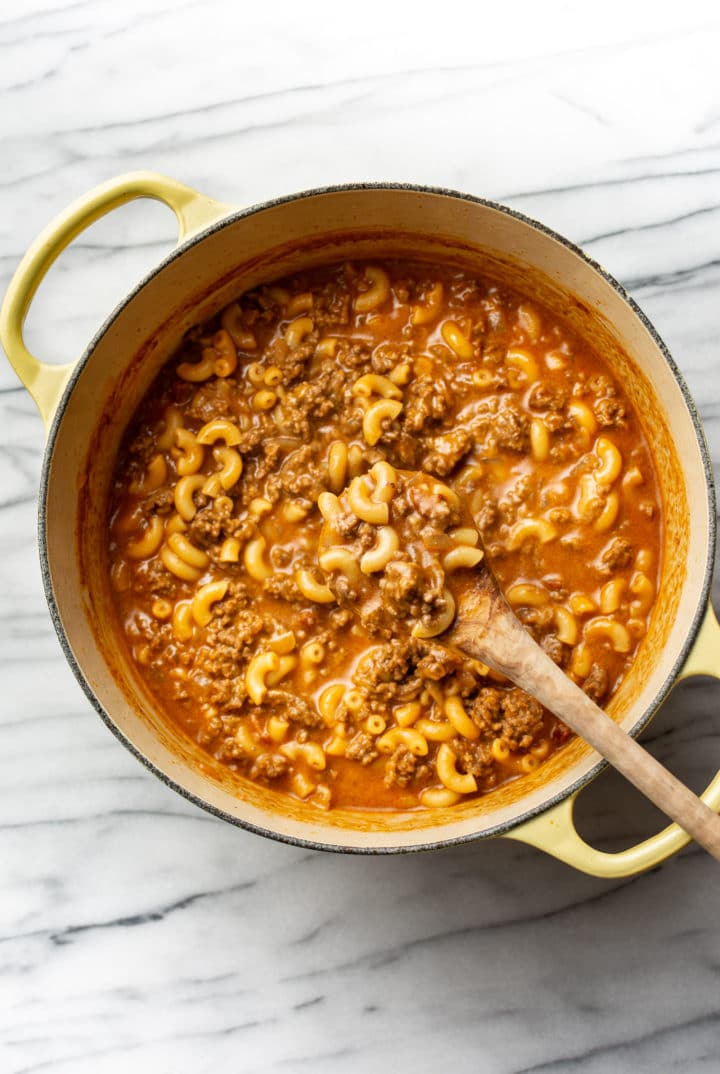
(459, 411)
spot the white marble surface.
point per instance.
(137, 933)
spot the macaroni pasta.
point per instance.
(300, 405)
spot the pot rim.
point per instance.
(301, 841)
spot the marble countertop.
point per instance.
(137, 932)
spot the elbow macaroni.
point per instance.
(377, 294)
(255, 677)
(459, 783)
(377, 415)
(215, 534)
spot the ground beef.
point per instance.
(494, 349)
(332, 306)
(511, 428)
(348, 524)
(509, 714)
(371, 613)
(282, 556)
(560, 733)
(141, 450)
(284, 587)
(269, 766)
(231, 750)
(361, 748)
(228, 693)
(486, 516)
(556, 420)
(387, 664)
(518, 495)
(211, 400)
(487, 710)
(260, 306)
(299, 356)
(235, 601)
(159, 636)
(405, 451)
(600, 384)
(299, 476)
(402, 584)
(560, 515)
(209, 730)
(423, 499)
(541, 618)
(555, 649)
(609, 412)
(597, 683)
(392, 670)
(340, 618)
(214, 522)
(377, 620)
(387, 355)
(522, 719)
(293, 363)
(271, 454)
(618, 553)
(400, 770)
(403, 289)
(152, 574)
(438, 662)
(555, 587)
(427, 399)
(548, 398)
(311, 399)
(225, 663)
(230, 640)
(474, 758)
(160, 502)
(291, 707)
(447, 451)
(408, 591)
(263, 428)
(352, 355)
(495, 342)
(462, 292)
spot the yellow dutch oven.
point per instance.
(87, 404)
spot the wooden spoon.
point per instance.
(486, 629)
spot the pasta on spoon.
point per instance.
(403, 546)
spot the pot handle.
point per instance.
(194, 211)
(554, 831)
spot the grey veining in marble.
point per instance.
(137, 933)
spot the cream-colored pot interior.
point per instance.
(259, 245)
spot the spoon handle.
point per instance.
(508, 648)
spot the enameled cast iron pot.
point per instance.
(222, 251)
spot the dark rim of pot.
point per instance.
(300, 841)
